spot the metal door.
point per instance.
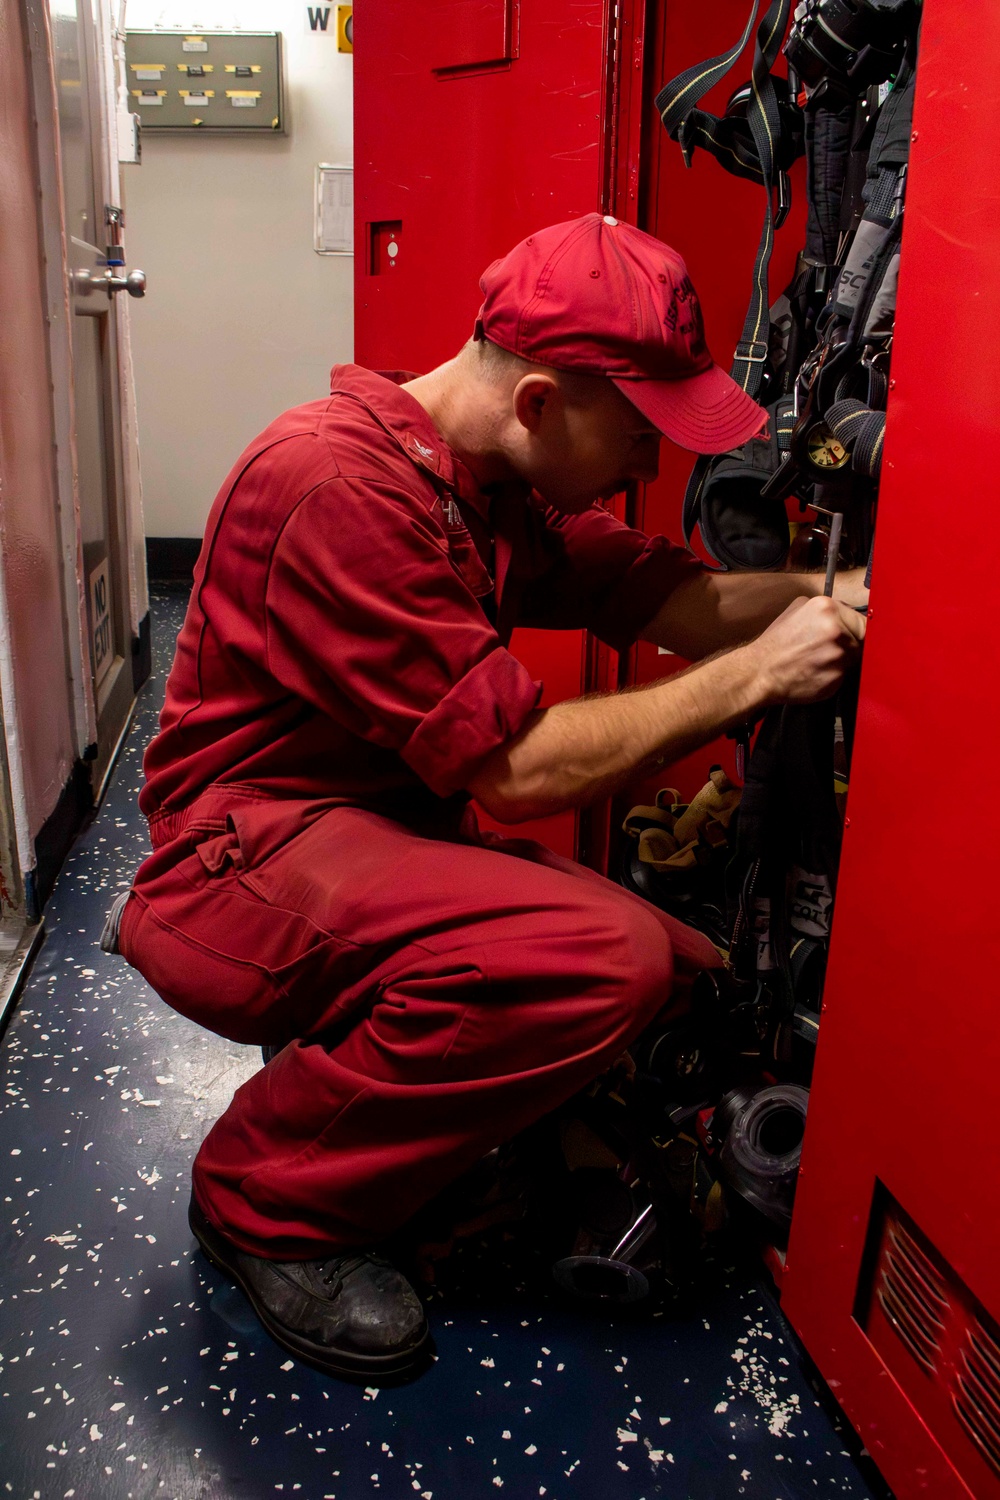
(97, 421)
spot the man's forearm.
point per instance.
(714, 611)
(576, 752)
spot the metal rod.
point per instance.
(833, 551)
(634, 1238)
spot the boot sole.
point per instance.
(344, 1363)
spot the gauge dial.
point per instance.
(825, 451)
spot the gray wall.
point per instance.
(242, 318)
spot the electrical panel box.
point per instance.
(221, 82)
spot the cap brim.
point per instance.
(707, 413)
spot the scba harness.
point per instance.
(818, 361)
(828, 337)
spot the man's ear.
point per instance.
(535, 396)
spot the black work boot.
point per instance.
(351, 1314)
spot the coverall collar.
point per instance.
(402, 415)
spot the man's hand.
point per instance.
(804, 654)
(574, 752)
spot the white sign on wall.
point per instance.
(334, 233)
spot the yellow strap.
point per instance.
(718, 798)
(647, 815)
(661, 851)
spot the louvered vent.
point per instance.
(936, 1338)
(976, 1396)
(912, 1296)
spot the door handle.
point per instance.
(85, 283)
(134, 283)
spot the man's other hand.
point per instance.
(805, 653)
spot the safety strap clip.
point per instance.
(751, 351)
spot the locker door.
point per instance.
(893, 1276)
(474, 125)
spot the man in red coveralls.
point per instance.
(342, 688)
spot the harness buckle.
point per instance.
(752, 351)
(878, 358)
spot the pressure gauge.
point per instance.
(824, 451)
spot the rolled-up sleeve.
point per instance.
(368, 620)
(604, 576)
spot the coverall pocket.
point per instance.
(262, 829)
(244, 970)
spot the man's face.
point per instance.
(587, 445)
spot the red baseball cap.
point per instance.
(602, 298)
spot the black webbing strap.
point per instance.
(677, 100)
(755, 158)
(890, 149)
(862, 432)
(829, 117)
(726, 137)
(868, 379)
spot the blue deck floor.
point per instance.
(128, 1368)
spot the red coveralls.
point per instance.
(317, 877)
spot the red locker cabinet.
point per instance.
(893, 1277)
(474, 125)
